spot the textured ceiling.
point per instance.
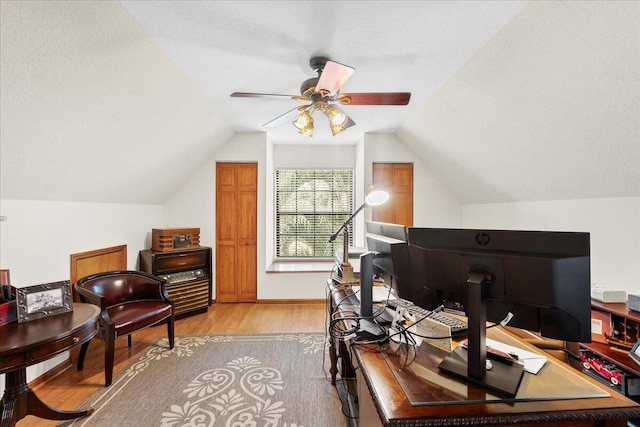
(119, 102)
(265, 46)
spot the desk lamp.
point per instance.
(374, 197)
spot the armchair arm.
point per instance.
(88, 296)
(91, 297)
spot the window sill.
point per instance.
(301, 267)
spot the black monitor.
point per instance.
(391, 263)
(541, 277)
(387, 258)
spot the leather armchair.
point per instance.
(130, 301)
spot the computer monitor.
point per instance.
(387, 258)
(391, 262)
(542, 277)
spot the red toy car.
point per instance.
(604, 369)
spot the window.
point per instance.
(310, 206)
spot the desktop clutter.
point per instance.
(496, 277)
(403, 327)
(607, 295)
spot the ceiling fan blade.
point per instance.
(261, 95)
(289, 115)
(333, 76)
(375, 98)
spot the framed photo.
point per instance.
(635, 353)
(37, 301)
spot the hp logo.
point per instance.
(483, 239)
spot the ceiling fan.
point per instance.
(323, 92)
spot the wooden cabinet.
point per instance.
(188, 276)
(398, 179)
(236, 232)
(624, 328)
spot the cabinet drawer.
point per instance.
(8, 363)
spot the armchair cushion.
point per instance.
(132, 316)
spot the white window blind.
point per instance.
(310, 206)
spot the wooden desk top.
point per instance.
(395, 408)
(24, 344)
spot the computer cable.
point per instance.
(503, 322)
(345, 395)
(343, 327)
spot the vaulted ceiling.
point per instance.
(511, 101)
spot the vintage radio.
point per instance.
(188, 276)
(174, 239)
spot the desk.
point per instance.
(383, 401)
(25, 344)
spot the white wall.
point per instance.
(38, 238)
(613, 223)
(433, 204)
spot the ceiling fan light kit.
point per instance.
(322, 91)
(304, 123)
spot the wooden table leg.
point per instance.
(19, 401)
(333, 358)
(7, 409)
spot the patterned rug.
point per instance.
(235, 380)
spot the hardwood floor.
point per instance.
(68, 388)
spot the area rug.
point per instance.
(233, 380)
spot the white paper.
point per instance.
(532, 362)
(380, 293)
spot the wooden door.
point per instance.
(98, 261)
(236, 232)
(398, 179)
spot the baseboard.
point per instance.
(284, 301)
(51, 373)
(292, 301)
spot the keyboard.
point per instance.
(453, 324)
(434, 327)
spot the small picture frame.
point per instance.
(634, 354)
(48, 299)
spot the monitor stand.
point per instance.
(471, 363)
(368, 327)
(503, 378)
